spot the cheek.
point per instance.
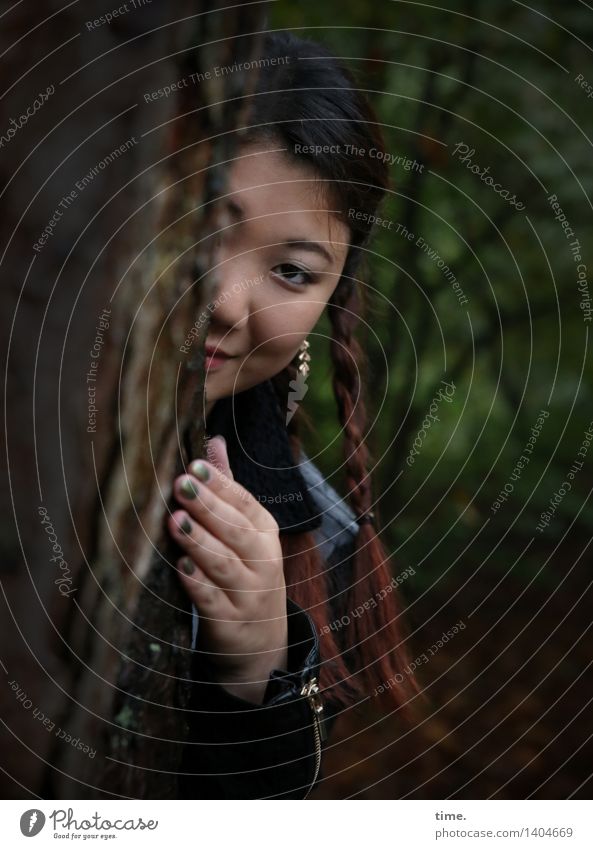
(279, 329)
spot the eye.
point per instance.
(293, 273)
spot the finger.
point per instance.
(234, 494)
(215, 514)
(211, 601)
(216, 453)
(219, 563)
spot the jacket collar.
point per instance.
(260, 457)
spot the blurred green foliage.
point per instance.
(499, 78)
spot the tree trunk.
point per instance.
(105, 243)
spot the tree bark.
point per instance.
(106, 240)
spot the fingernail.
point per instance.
(185, 525)
(200, 470)
(188, 565)
(188, 488)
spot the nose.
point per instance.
(232, 301)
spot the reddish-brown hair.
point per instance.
(368, 657)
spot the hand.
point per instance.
(233, 572)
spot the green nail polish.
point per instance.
(188, 488)
(200, 470)
(187, 565)
(185, 525)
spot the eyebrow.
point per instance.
(238, 213)
(308, 245)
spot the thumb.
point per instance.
(217, 455)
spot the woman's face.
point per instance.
(280, 257)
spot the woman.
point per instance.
(296, 616)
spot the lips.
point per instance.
(214, 351)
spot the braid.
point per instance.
(377, 650)
(370, 652)
(347, 358)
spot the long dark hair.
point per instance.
(308, 101)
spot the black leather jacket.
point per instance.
(241, 750)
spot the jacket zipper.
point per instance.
(311, 692)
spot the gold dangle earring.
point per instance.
(304, 359)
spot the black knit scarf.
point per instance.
(259, 455)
